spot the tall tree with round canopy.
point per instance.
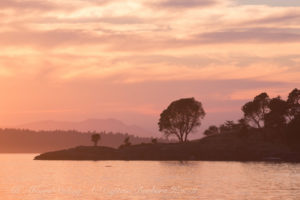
(181, 118)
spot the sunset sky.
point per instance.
(78, 59)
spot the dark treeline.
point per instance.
(267, 119)
(28, 141)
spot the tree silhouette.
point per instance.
(294, 103)
(95, 138)
(181, 118)
(212, 130)
(278, 112)
(255, 111)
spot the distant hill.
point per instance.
(98, 125)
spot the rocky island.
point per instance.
(269, 131)
(225, 147)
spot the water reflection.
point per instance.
(23, 178)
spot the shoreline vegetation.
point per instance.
(268, 131)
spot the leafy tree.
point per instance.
(278, 113)
(95, 138)
(255, 111)
(212, 130)
(294, 104)
(181, 118)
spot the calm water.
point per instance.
(22, 178)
